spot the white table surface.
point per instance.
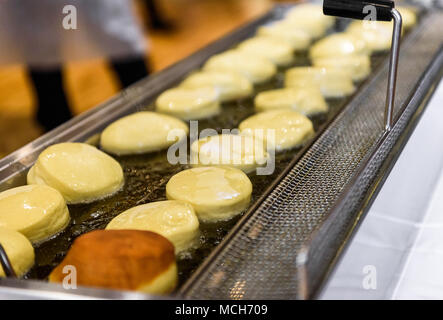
(400, 242)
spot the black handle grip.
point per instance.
(379, 10)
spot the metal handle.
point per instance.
(393, 66)
(6, 264)
(385, 11)
(357, 9)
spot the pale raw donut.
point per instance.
(230, 85)
(307, 101)
(142, 132)
(333, 82)
(256, 69)
(291, 129)
(359, 66)
(175, 220)
(237, 151)
(338, 44)
(310, 12)
(298, 39)
(276, 50)
(377, 35)
(189, 104)
(216, 193)
(80, 172)
(36, 211)
(19, 251)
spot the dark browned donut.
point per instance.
(121, 259)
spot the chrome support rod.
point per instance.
(393, 66)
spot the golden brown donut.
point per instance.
(123, 260)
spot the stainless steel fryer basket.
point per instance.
(289, 244)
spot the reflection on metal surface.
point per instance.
(237, 292)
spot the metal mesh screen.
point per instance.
(259, 261)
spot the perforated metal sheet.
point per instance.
(259, 260)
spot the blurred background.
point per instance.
(173, 29)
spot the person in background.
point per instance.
(156, 20)
(45, 34)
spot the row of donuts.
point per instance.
(350, 51)
(36, 212)
(214, 193)
(343, 58)
(78, 173)
(339, 60)
(233, 73)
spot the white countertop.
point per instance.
(398, 251)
